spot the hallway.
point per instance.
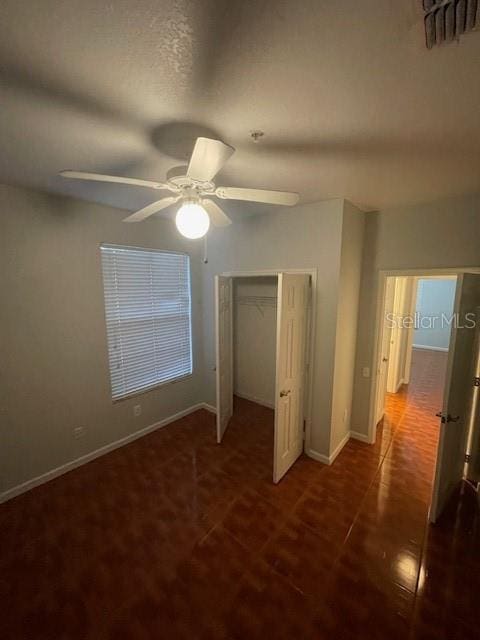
(176, 537)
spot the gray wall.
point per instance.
(443, 234)
(435, 300)
(54, 370)
(347, 318)
(303, 236)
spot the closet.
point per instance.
(254, 338)
(262, 337)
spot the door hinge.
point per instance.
(304, 428)
(476, 381)
(468, 457)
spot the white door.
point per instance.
(382, 367)
(458, 387)
(293, 295)
(224, 359)
(396, 363)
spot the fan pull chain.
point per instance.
(205, 249)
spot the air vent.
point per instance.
(446, 20)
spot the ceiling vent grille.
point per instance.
(446, 20)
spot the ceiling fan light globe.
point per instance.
(192, 220)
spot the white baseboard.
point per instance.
(428, 348)
(359, 436)
(207, 407)
(319, 457)
(339, 447)
(263, 403)
(78, 462)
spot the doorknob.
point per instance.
(284, 393)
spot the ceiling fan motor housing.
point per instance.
(190, 188)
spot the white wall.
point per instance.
(435, 299)
(441, 234)
(54, 370)
(347, 317)
(254, 339)
(304, 236)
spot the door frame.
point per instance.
(383, 274)
(399, 297)
(312, 323)
(217, 354)
(411, 331)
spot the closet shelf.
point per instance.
(258, 301)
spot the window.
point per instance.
(147, 308)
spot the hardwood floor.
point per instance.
(176, 537)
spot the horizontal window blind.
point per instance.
(147, 309)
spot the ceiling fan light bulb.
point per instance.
(192, 220)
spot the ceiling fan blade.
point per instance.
(151, 209)
(286, 198)
(208, 157)
(218, 217)
(99, 177)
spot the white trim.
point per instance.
(207, 407)
(78, 462)
(339, 447)
(428, 348)
(246, 396)
(410, 331)
(319, 457)
(360, 436)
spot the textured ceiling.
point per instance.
(351, 102)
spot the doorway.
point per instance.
(417, 312)
(264, 345)
(424, 373)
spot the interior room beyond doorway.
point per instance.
(412, 372)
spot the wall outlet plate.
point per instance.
(137, 410)
(78, 432)
(366, 372)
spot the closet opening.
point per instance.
(254, 339)
(263, 335)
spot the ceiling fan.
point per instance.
(194, 188)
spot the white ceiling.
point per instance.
(351, 102)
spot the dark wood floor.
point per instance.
(175, 537)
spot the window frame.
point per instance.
(156, 385)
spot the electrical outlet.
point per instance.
(78, 432)
(137, 410)
(366, 372)
(345, 415)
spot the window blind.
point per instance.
(148, 317)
